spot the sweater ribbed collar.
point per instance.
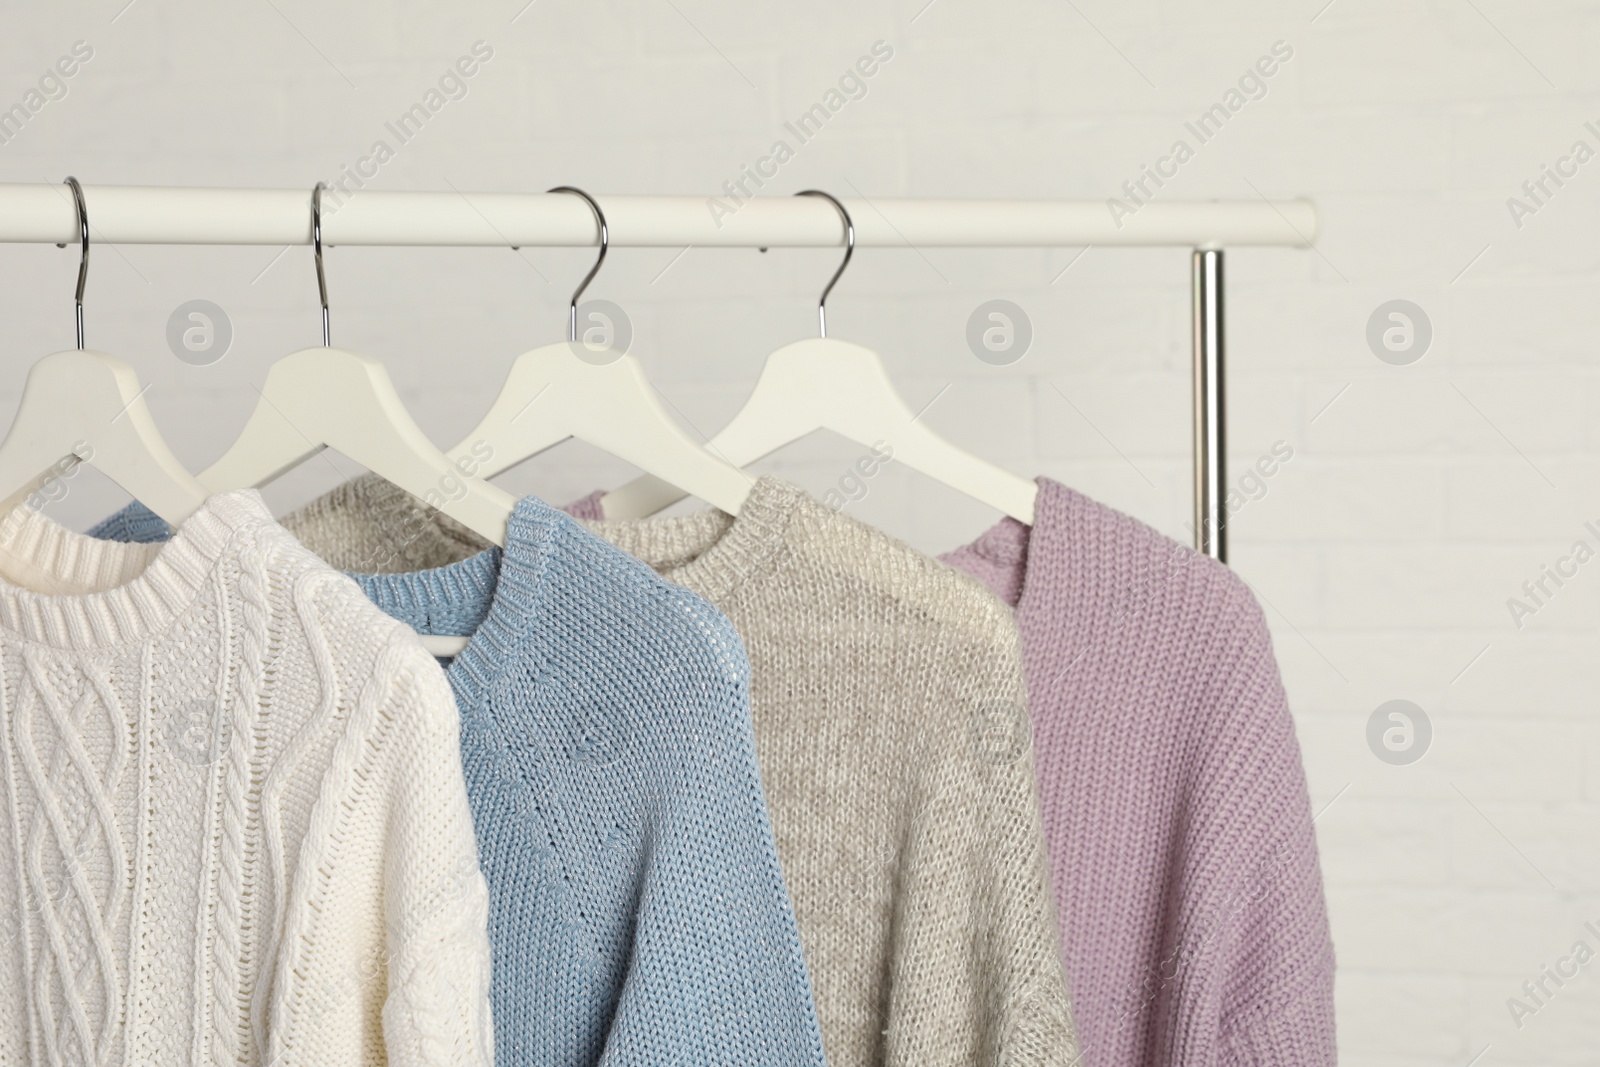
(1036, 553)
(420, 532)
(493, 598)
(1007, 541)
(67, 589)
(712, 552)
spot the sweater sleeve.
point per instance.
(995, 991)
(1268, 969)
(715, 970)
(435, 898)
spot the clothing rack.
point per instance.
(45, 213)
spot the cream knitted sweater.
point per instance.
(236, 830)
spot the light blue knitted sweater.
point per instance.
(638, 914)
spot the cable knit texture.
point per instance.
(1175, 806)
(237, 828)
(638, 911)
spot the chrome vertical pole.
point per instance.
(1210, 423)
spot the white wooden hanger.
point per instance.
(82, 406)
(330, 398)
(606, 402)
(825, 384)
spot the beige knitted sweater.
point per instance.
(894, 749)
(371, 526)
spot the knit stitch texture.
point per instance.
(367, 525)
(1183, 861)
(890, 723)
(894, 745)
(1175, 805)
(237, 831)
(134, 524)
(638, 912)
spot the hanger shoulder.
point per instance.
(835, 385)
(552, 393)
(822, 383)
(801, 388)
(850, 393)
(637, 429)
(332, 398)
(90, 405)
(920, 449)
(782, 408)
(279, 434)
(640, 498)
(522, 421)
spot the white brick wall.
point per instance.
(1413, 507)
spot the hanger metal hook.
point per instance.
(316, 245)
(83, 264)
(849, 250)
(605, 243)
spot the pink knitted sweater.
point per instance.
(1175, 808)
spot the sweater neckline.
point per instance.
(427, 533)
(1013, 544)
(107, 593)
(712, 552)
(491, 598)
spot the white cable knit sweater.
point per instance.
(235, 827)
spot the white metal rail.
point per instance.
(196, 216)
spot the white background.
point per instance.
(1418, 499)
